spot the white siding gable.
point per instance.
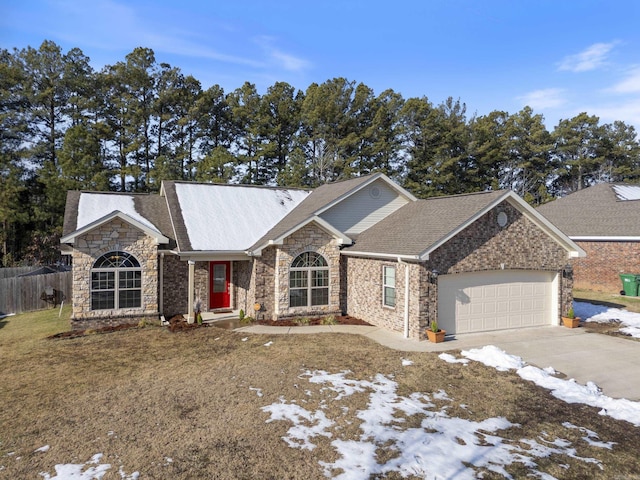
(364, 208)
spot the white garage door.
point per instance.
(496, 300)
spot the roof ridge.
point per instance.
(467, 194)
(250, 185)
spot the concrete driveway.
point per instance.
(611, 363)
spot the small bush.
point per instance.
(302, 321)
(241, 315)
(434, 326)
(246, 320)
(330, 320)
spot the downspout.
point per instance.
(161, 289)
(406, 296)
(190, 290)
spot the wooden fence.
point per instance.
(24, 294)
(15, 271)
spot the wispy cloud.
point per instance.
(631, 84)
(544, 98)
(591, 58)
(284, 60)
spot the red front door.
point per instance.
(219, 293)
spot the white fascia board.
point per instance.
(326, 226)
(155, 234)
(377, 176)
(603, 238)
(395, 256)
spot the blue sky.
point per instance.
(561, 57)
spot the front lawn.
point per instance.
(210, 403)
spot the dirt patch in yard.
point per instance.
(607, 328)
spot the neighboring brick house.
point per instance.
(604, 220)
(364, 247)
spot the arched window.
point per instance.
(309, 280)
(116, 282)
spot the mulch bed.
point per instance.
(340, 320)
(178, 323)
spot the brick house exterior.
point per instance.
(363, 247)
(603, 220)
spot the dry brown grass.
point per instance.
(146, 395)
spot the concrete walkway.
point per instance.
(611, 363)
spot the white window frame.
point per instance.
(387, 286)
(119, 272)
(302, 279)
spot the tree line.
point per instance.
(131, 125)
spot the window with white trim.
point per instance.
(309, 280)
(389, 286)
(116, 282)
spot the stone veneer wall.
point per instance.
(600, 270)
(363, 296)
(310, 238)
(243, 295)
(519, 245)
(115, 235)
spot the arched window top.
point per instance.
(309, 260)
(117, 260)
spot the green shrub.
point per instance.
(434, 326)
(246, 320)
(302, 321)
(241, 315)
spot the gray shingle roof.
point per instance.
(594, 212)
(419, 225)
(317, 200)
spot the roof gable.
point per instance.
(418, 228)
(85, 211)
(144, 227)
(322, 199)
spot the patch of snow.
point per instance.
(494, 357)
(232, 217)
(447, 357)
(601, 314)
(257, 390)
(567, 390)
(245, 339)
(124, 476)
(71, 471)
(591, 437)
(268, 344)
(42, 449)
(406, 363)
(549, 370)
(94, 206)
(300, 435)
(442, 447)
(7, 315)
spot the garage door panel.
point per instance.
(495, 300)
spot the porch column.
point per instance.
(190, 290)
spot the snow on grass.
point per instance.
(602, 314)
(42, 449)
(447, 357)
(268, 344)
(90, 470)
(567, 390)
(441, 447)
(406, 363)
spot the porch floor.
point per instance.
(227, 318)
